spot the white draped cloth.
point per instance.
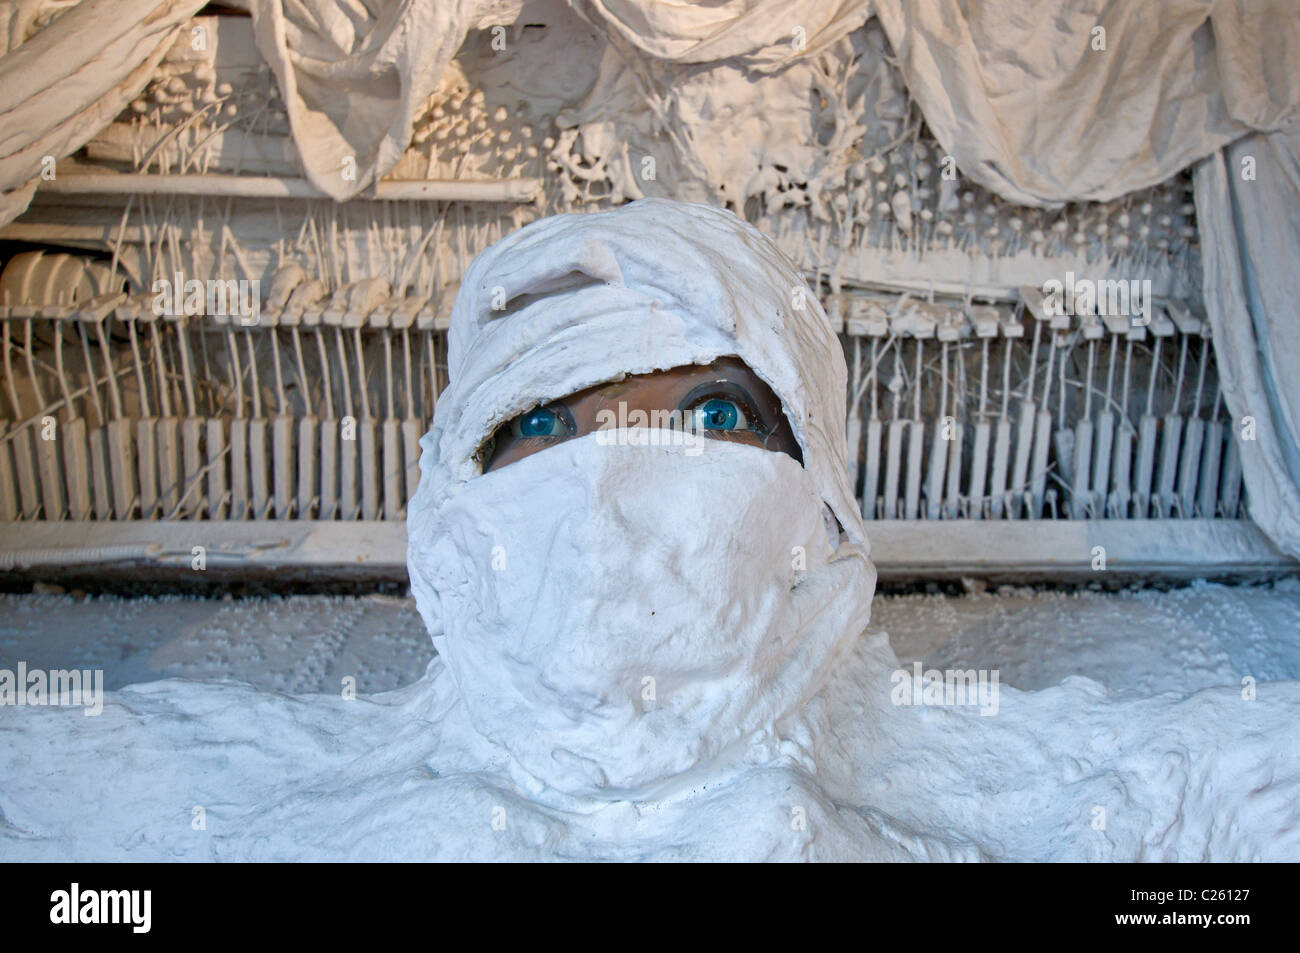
(352, 74)
(1252, 296)
(1021, 95)
(65, 80)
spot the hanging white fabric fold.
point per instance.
(352, 75)
(762, 35)
(1248, 205)
(1053, 101)
(68, 79)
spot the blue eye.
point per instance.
(719, 413)
(540, 422)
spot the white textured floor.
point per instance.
(1176, 760)
(1181, 640)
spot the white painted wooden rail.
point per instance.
(278, 187)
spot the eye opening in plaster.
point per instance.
(757, 416)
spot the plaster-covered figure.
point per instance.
(621, 609)
(651, 639)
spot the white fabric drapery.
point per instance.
(70, 78)
(1248, 199)
(352, 73)
(1020, 96)
(1014, 91)
(762, 35)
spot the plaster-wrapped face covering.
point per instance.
(626, 618)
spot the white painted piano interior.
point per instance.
(982, 424)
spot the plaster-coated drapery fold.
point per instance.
(757, 34)
(1248, 204)
(353, 73)
(1015, 92)
(63, 83)
(1018, 95)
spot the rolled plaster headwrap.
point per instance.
(618, 615)
(576, 300)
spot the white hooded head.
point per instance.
(620, 614)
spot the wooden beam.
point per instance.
(272, 187)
